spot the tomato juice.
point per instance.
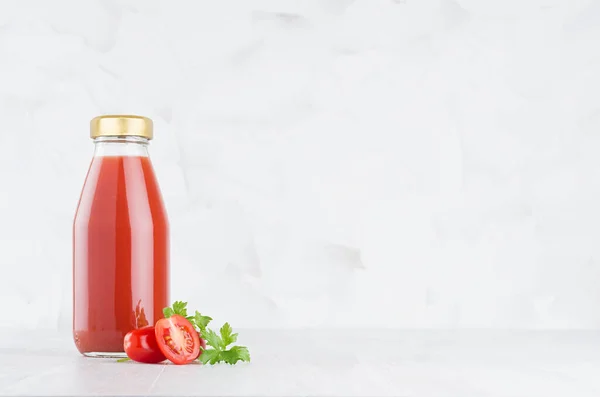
(120, 249)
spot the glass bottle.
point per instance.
(120, 239)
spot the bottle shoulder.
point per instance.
(121, 186)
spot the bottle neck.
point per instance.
(121, 146)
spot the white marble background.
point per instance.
(325, 163)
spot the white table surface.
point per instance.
(324, 363)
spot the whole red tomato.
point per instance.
(140, 345)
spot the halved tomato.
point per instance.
(140, 345)
(177, 339)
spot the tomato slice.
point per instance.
(177, 339)
(140, 345)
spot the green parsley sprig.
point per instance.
(219, 343)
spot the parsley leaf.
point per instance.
(168, 312)
(235, 354)
(211, 356)
(212, 339)
(177, 308)
(227, 336)
(201, 321)
(180, 308)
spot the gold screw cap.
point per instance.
(121, 125)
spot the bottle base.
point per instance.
(105, 354)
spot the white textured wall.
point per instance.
(402, 163)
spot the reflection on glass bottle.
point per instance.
(139, 319)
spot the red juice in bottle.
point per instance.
(120, 239)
